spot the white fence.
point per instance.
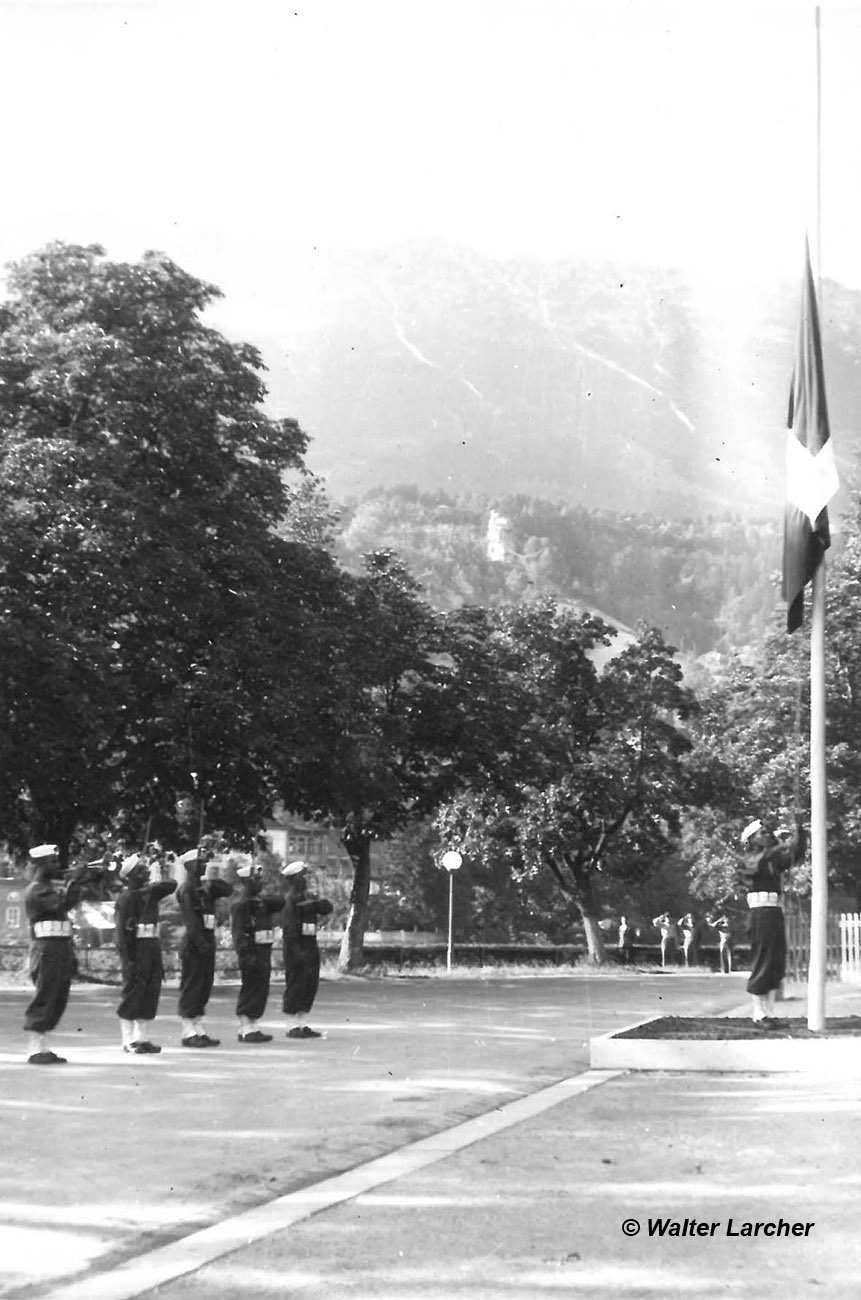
(850, 947)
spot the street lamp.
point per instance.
(452, 862)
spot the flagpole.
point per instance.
(817, 967)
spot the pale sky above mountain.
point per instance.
(223, 132)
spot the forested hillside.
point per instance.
(708, 584)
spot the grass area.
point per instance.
(734, 1029)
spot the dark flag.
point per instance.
(811, 475)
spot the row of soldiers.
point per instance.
(52, 894)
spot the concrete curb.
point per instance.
(768, 1055)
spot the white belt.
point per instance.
(264, 936)
(764, 899)
(309, 927)
(147, 932)
(52, 929)
(209, 920)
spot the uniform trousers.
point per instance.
(255, 970)
(301, 976)
(52, 965)
(142, 980)
(767, 934)
(196, 977)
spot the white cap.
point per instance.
(750, 829)
(129, 865)
(43, 850)
(294, 868)
(250, 869)
(191, 856)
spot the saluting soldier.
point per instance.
(299, 917)
(765, 861)
(47, 902)
(723, 925)
(251, 924)
(139, 947)
(197, 898)
(667, 928)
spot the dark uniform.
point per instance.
(47, 903)
(139, 947)
(763, 871)
(301, 953)
(251, 925)
(197, 899)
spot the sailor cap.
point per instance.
(250, 869)
(129, 865)
(43, 851)
(750, 829)
(294, 868)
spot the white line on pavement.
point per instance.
(137, 1276)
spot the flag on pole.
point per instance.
(811, 475)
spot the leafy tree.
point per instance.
(149, 614)
(378, 757)
(590, 782)
(752, 739)
(749, 760)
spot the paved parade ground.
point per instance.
(447, 1138)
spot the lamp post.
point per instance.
(452, 862)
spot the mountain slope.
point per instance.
(632, 391)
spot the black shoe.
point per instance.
(206, 1041)
(137, 1048)
(307, 1032)
(148, 1048)
(193, 1040)
(296, 1032)
(46, 1058)
(255, 1036)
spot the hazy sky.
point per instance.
(223, 131)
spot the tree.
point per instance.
(378, 757)
(149, 614)
(752, 739)
(591, 786)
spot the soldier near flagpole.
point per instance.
(764, 863)
(251, 924)
(197, 899)
(139, 948)
(301, 952)
(48, 900)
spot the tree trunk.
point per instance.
(352, 951)
(594, 939)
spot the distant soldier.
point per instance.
(139, 947)
(667, 929)
(626, 939)
(689, 928)
(197, 899)
(251, 924)
(723, 925)
(300, 949)
(48, 899)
